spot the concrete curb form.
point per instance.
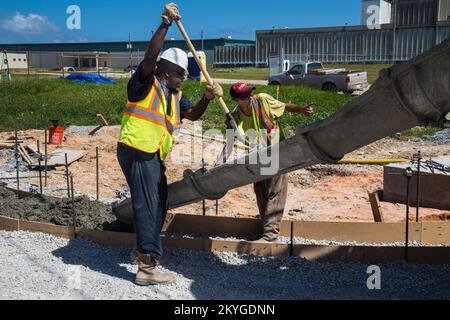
(322, 253)
(434, 233)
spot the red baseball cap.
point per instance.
(241, 90)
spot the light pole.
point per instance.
(203, 42)
(130, 47)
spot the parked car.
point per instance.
(314, 75)
(69, 69)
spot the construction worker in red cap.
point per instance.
(261, 112)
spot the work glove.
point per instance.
(309, 109)
(212, 91)
(170, 13)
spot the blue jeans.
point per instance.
(145, 174)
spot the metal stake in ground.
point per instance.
(419, 158)
(39, 164)
(74, 217)
(291, 247)
(204, 201)
(409, 175)
(17, 160)
(97, 172)
(46, 155)
(40, 175)
(67, 176)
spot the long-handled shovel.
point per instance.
(220, 100)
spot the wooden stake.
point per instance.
(374, 199)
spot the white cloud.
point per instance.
(29, 24)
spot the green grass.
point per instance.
(420, 132)
(247, 73)
(30, 103)
(372, 69)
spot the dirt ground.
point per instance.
(321, 193)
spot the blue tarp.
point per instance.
(91, 78)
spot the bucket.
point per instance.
(56, 135)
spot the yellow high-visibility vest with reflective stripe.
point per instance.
(262, 121)
(147, 127)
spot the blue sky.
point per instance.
(38, 21)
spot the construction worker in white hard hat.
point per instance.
(155, 109)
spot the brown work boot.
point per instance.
(148, 273)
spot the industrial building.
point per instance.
(107, 54)
(397, 30)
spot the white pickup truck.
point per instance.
(313, 74)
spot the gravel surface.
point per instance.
(442, 137)
(303, 241)
(38, 266)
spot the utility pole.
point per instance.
(130, 47)
(394, 30)
(203, 43)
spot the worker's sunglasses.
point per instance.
(181, 74)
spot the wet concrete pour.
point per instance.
(89, 214)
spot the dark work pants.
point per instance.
(145, 174)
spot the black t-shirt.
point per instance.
(137, 91)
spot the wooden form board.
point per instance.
(435, 233)
(357, 231)
(373, 255)
(211, 225)
(57, 157)
(322, 253)
(363, 232)
(47, 228)
(9, 224)
(107, 238)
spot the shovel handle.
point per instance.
(200, 65)
(220, 100)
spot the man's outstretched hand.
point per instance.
(308, 109)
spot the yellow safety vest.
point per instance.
(146, 126)
(262, 120)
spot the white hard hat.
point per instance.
(176, 56)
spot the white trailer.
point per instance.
(13, 60)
